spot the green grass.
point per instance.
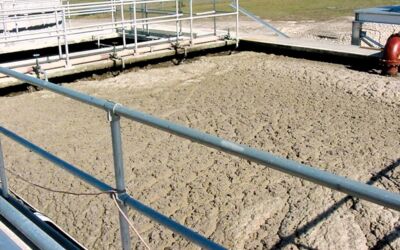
(309, 9)
(291, 9)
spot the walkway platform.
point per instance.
(324, 51)
(100, 61)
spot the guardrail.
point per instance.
(114, 23)
(115, 111)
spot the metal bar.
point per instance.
(30, 230)
(58, 36)
(259, 20)
(96, 27)
(75, 55)
(191, 21)
(167, 222)
(57, 161)
(112, 13)
(356, 33)
(354, 188)
(177, 20)
(123, 26)
(155, 11)
(385, 15)
(180, 12)
(65, 40)
(3, 176)
(215, 19)
(371, 42)
(237, 23)
(142, 12)
(128, 200)
(69, 13)
(119, 176)
(135, 27)
(146, 15)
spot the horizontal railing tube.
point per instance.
(327, 179)
(354, 188)
(324, 178)
(135, 204)
(29, 229)
(57, 161)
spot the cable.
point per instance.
(114, 196)
(58, 191)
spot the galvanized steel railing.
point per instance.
(115, 111)
(62, 32)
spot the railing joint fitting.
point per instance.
(111, 115)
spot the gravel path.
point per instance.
(325, 115)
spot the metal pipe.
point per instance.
(128, 200)
(237, 23)
(123, 26)
(65, 40)
(75, 55)
(39, 238)
(96, 27)
(177, 20)
(259, 20)
(191, 21)
(57, 161)
(76, 6)
(146, 16)
(354, 188)
(119, 176)
(69, 13)
(180, 12)
(135, 27)
(112, 12)
(215, 19)
(167, 222)
(58, 36)
(91, 28)
(3, 176)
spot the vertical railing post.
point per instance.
(3, 177)
(16, 25)
(69, 14)
(123, 23)
(58, 34)
(146, 15)
(112, 13)
(68, 64)
(191, 21)
(119, 176)
(177, 20)
(3, 13)
(135, 27)
(215, 18)
(237, 23)
(180, 22)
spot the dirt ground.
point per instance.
(326, 115)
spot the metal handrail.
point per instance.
(61, 33)
(324, 178)
(320, 177)
(127, 199)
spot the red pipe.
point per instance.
(391, 55)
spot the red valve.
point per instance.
(391, 55)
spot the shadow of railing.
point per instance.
(392, 236)
(387, 239)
